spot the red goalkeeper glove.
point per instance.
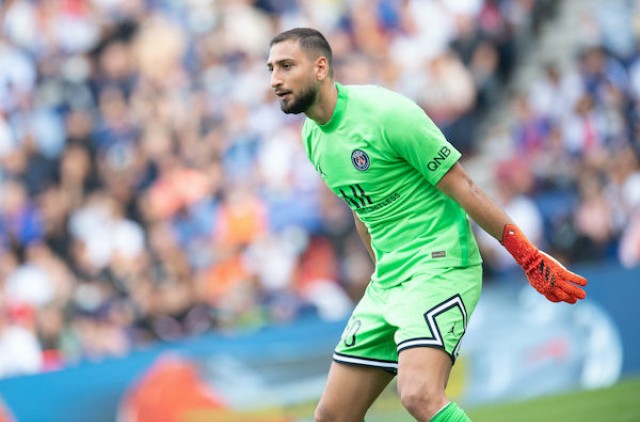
(544, 273)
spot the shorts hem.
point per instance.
(386, 365)
(433, 346)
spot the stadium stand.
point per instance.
(151, 190)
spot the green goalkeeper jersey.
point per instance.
(383, 156)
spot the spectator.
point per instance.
(151, 190)
(555, 93)
(592, 216)
(629, 252)
(20, 223)
(584, 128)
(20, 352)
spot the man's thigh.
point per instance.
(423, 373)
(350, 391)
(424, 369)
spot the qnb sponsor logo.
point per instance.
(438, 159)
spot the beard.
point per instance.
(301, 103)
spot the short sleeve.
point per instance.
(415, 138)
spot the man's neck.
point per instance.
(322, 110)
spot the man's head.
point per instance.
(300, 61)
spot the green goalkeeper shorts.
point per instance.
(429, 310)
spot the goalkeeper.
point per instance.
(410, 198)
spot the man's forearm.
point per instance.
(544, 273)
(461, 188)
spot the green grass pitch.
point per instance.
(619, 403)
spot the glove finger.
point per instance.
(562, 295)
(573, 278)
(570, 289)
(552, 297)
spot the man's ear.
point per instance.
(322, 68)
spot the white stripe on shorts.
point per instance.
(361, 361)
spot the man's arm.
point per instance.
(457, 184)
(363, 232)
(544, 273)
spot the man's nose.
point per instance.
(275, 79)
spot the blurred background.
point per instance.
(165, 244)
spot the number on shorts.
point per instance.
(349, 337)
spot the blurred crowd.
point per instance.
(151, 188)
(570, 173)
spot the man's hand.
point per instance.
(544, 273)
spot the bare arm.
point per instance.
(544, 273)
(363, 232)
(461, 188)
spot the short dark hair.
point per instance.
(311, 41)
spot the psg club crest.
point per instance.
(360, 160)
